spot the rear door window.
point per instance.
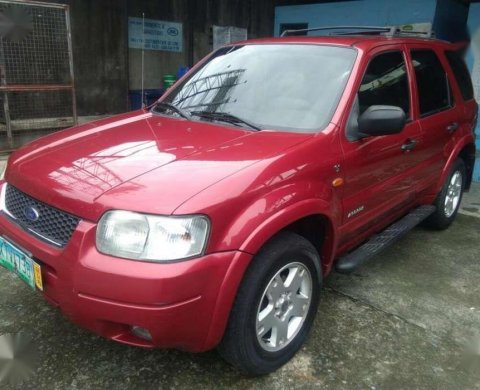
(462, 75)
(432, 83)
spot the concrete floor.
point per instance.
(406, 320)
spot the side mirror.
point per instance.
(381, 120)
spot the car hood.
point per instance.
(137, 161)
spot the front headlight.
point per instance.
(150, 237)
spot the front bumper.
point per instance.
(178, 303)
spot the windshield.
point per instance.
(280, 86)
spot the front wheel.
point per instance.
(449, 199)
(275, 306)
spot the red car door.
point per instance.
(439, 109)
(378, 170)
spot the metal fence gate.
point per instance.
(37, 93)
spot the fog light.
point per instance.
(141, 333)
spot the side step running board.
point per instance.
(377, 243)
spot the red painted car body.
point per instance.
(251, 185)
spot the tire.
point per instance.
(449, 199)
(286, 262)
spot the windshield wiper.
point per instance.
(225, 117)
(173, 107)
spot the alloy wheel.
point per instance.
(284, 307)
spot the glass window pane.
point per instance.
(385, 83)
(432, 83)
(274, 86)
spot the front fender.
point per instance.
(263, 230)
(249, 220)
(266, 228)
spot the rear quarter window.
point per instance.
(462, 75)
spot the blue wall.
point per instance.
(360, 12)
(473, 61)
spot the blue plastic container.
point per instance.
(182, 71)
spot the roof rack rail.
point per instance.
(361, 30)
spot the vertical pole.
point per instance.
(125, 8)
(143, 61)
(6, 106)
(8, 122)
(191, 11)
(70, 59)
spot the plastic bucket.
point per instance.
(169, 80)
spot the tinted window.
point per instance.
(433, 89)
(385, 83)
(277, 86)
(462, 75)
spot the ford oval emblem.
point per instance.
(172, 31)
(31, 213)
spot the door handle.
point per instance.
(409, 145)
(452, 127)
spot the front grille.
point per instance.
(52, 225)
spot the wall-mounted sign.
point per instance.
(159, 35)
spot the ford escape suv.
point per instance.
(211, 218)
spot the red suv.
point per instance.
(211, 218)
